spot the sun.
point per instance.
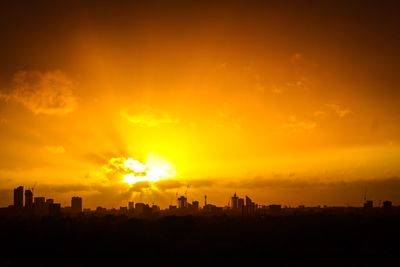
(155, 169)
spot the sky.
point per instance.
(290, 102)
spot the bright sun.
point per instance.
(153, 170)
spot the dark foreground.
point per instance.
(187, 241)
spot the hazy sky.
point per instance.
(292, 102)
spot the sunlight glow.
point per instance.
(153, 170)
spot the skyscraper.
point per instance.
(19, 197)
(28, 198)
(76, 204)
(182, 202)
(235, 202)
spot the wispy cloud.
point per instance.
(55, 149)
(48, 93)
(319, 113)
(299, 126)
(296, 57)
(145, 116)
(340, 111)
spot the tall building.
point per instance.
(249, 203)
(76, 204)
(19, 197)
(195, 205)
(182, 202)
(240, 203)
(131, 206)
(28, 198)
(235, 202)
(369, 204)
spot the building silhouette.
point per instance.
(76, 204)
(387, 206)
(54, 209)
(28, 198)
(19, 197)
(369, 204)
(39, 200)
(195, 205)
(182, 202)
(235, 202)
(240, 203)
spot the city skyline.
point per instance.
(135, 101)
(26, 200)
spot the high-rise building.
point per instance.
(387, 206)
(140, 207)
(195, 205)
(76, 204)
(131, 206)
(240, 203)
(249, 202)
(19, 197)
(235, 202)
(28, 198)
(369, 204)
(182, 202)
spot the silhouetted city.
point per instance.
(209, 132)
(33, 206)
(243, 232)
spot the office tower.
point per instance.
(76, 204)
(235, 202)
(182, 202)
(19, 197)
(28, 198)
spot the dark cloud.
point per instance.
(43, 92)
(63, 189)
(169, 184)
(313, 190)
(201, 183)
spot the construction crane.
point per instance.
(33, 187)
(187, 187)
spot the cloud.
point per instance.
(297, 126)
(66, 188)
(227, 118)
(48, 93)
(319, 113)
(55, 149)
(147, 117)
(276, 90)
(296, 58)
(341, 112)
(168, 184)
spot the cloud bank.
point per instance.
(50, 93)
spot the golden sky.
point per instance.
(288, 102)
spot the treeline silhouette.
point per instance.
(191, 240)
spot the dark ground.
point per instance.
(318, 238)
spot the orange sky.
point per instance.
(292, 103)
